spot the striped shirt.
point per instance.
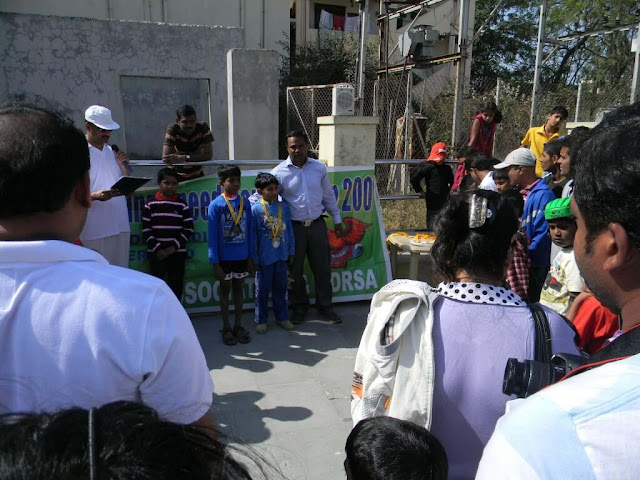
(166, 222)
(183, 144)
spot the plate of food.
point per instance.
(423, 239)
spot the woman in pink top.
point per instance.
(483, 128)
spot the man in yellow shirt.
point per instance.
(536, 137)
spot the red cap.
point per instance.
(438, 152)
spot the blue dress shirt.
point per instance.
(306, 190)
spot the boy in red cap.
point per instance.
(438, 179)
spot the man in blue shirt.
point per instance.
(305, 187)
(520, 165)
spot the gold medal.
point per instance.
(236, 216)
(275, 226)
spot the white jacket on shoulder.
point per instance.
(397, 379)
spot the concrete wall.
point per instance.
(264, 22)
(77, 62)
(252, 76)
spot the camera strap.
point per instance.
(625, 346)
(543, 333)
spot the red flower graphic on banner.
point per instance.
(347, 246)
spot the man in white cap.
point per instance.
(521, 168)
(107, 227)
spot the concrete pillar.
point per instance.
(252, 90)
(347, 141)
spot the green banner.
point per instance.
(359, 259)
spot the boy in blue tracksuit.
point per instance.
(274, 247)
(520, 165)
(231, 243)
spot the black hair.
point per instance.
(516, 199)
(184, 111)
(265, 179)
(43, 156)
(564, 113)
(553, 147)
(480, 251)
(501, 174)
(167, 172)
(298, 133)
(466, 151)
(480, 161)
(130, 439)
(386, 448)
(226, 171)
(490, 106)
(607, 187)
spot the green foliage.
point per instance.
(333, 59)
(506, 48)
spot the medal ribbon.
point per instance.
(236, 216)
(275, 227)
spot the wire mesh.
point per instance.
(431, 103)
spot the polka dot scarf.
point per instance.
(480, 293)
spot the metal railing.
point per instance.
(402, 173)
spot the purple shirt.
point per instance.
(477, 327)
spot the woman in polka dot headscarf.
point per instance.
(478, 324)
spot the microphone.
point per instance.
(115, 148)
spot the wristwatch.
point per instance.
(188, 157)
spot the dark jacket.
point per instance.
(438, 180)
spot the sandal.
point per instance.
(241, 335)
(228, 337)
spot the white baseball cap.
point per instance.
(100, 117)
(520, 157)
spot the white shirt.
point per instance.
(306, 190)
(77, 331)
(586, 427)
(105, 218)
(487, 183)
(563, 279)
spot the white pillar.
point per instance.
(347, 140)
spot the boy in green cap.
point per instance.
(563, 281)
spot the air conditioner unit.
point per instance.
(343, 100)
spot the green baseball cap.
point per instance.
(558, 208)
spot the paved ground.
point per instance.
(287, 394)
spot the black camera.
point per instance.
(523, 379)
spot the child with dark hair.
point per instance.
(501, 179)
(555, 178)
(187, 140)
(518, 271)
(275, 245)
(483, 128)
(167, 225)
(385, 448)
(536, 137)
(230, 249)
(462, 181)
(438, 179)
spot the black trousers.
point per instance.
(171, 269)
(311, 243)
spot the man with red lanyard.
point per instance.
(588, 425)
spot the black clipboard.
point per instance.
(128, 185)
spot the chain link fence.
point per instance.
(306, 104)
(427, 98)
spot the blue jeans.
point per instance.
(272, 279)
